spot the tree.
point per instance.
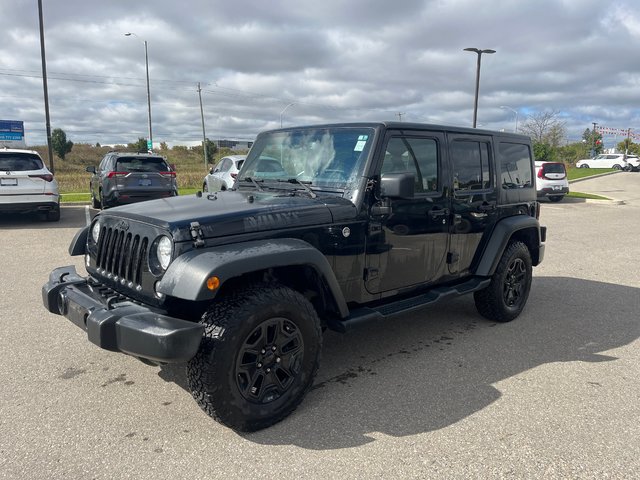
(139, 146)
(629, 147)
(545, 128)
(593, 140)
(212, 148)
(59, 143)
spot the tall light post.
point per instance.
(475, 105)
(514, 111)
(283, 110)
(146, 64)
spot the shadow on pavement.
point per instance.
(424, 372)
(70, 217)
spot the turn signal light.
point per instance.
(213, 283)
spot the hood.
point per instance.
(234, 212)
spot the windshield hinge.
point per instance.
(196, 234)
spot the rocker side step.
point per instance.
(360, 316)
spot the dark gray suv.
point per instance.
(124, 177)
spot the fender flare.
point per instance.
(78, 245)
(186, 277)
(499, 239)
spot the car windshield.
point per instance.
(141, 164)
(329, 157)
(19, 162)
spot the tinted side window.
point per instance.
(470, 161)
(415, 155)
(515, 165)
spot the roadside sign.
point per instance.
(12, 133)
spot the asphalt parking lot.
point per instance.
(437, 394)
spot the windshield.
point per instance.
(330, 157)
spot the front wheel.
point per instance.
(506, 295)
(258, 357)
(584, 165)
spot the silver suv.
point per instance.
(124, 177)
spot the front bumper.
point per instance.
(117, 324)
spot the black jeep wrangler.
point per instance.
(359, 222)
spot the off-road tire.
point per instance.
(236, 355)
(506, 295)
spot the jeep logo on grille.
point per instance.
(122, 225)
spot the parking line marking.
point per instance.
(87, 215)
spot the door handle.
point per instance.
(438, 212)
(486, 207)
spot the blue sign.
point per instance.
(12, 131)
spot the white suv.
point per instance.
(605, 160)
(26, 185)
(551, 180)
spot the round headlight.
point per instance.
(163, 252)
(95, 232)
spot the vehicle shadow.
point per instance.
(70, 217)
(423, 372)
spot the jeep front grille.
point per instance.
(121, 255)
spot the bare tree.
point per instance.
(545, 127)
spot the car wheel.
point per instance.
(617, 167)
(101, 201)
(556, 198)
(584, 165)
(507, 294)
(53, 215)
(204, 187)
(95, 203)
(258, 357)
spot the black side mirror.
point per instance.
(91, 169)
(397, 185)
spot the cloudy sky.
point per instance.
(310, 61)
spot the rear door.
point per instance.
(475, 197)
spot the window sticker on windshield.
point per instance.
(360, 145)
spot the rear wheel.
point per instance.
(617, 167)
(556, 198)
(584, 165)
(204, 187)
(53, 215)
(506, 295)
(258, 357)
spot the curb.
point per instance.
(576, 180)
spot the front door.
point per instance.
(407, 246)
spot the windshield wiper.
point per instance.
(255, 183)
(304, 185)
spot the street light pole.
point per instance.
(283, 110)
(475, 105)
(146, 64)
(514, 111)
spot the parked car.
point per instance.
(359, 223)
(123, 178)
(222, 176)
(633, 163)
(27, 185)
(551, 180)
(605, 160)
